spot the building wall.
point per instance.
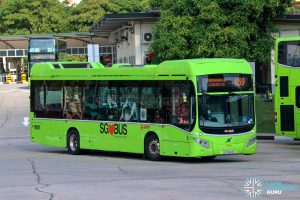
(135, 48)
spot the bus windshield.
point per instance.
(42, 45)
(226, 110)
(220, 112)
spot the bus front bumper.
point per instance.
(222, 145)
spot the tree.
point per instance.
(126, 6)
(32, 16)
(216, 28)
(89, 11)
(86, 13)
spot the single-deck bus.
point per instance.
(187, 108)
(287, 87)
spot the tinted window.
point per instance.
(151, 105)
(38, 101)
(284, 86)
(182, 101)
(42, 45)
(298, 97)
(287, 118)
(129, 103)
(135, 101)
(108, 101)
(73, 100)
(54, 99)
(90, 100)
(289, 53)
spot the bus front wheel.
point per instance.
(73, 142)
(152, 148)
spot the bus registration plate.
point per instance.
(228, 152)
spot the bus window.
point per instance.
(38, 104)
(73, 100)
(182, 106)
(289, 53)
(297, 97)
(54, 99)
(107, 101)
(129, 104)
(90, 103)
(151, 105)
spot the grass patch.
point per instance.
(264, 115)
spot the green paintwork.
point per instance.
(293, 74)
(173, 140)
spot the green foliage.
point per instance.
(125, 6)
(32, 16)
(89, 11)
(86, 13)
(51, 16)
(81, 58)
(216, 28)
(264, 115)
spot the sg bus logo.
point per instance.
(113, 129)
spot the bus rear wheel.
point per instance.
(152, 148)
(73, 142)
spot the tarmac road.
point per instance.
(31, 171)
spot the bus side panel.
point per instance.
(130, 138)
(54, 132)
(287, 112)
(175, 142)
(36, 132)
(91, 136)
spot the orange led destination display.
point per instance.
(240, 82)
(225, 82)
(216, 82)
(221, 82)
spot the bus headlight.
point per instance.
(202, 143)
(251, 141)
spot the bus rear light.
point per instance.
(202, 143)
(275, 118)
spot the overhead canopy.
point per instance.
(20, 41)
(111, 22)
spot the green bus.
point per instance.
(186, 108)
(46, 49)
(287, 87)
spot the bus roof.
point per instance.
(282, 39)
(168, 68)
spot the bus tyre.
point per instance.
(152, 148)
(73, 142)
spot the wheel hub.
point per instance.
(154, 148)
(73, 143)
